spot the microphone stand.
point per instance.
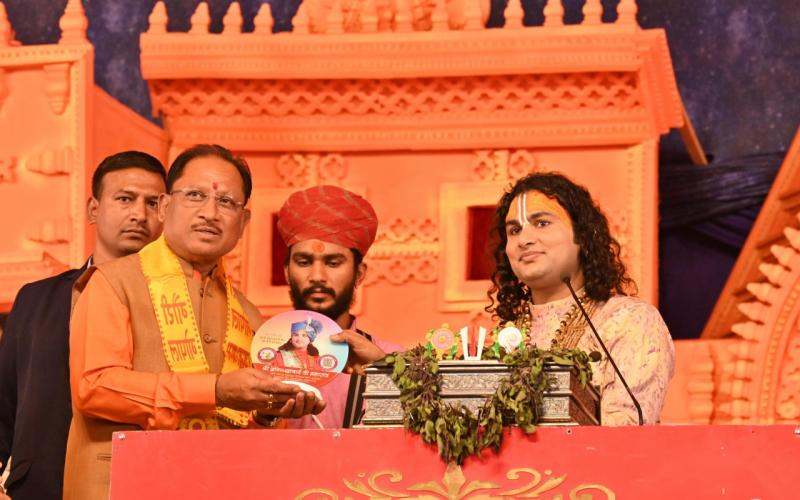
(567, 281)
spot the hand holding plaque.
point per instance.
(295, 347)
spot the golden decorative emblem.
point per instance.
(454, 486)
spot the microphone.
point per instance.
(567, 281)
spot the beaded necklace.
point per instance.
(571, 327)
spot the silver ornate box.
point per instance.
(471, 382)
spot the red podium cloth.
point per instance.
(687, 462)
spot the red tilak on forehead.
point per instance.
(318, 246)
(214, 185)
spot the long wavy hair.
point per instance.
(599, 257)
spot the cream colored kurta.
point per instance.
(639, 342)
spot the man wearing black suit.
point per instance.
(35, 405)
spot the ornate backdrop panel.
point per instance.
(430, 116)
(54, 128)
(746, 368)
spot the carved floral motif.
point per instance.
(299, 170)
(404, 250)
(556, 407)
(472, 383)
(332, 169)
(398, 271)
(390, 409)
(454, 485)
(502, 164)
(381, 383)
(402, 230)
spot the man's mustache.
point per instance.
(138, 229)
(206, 226)
(318, 289)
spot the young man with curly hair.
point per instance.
(548, 227)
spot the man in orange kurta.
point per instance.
(160, 339)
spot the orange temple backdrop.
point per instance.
(423, 111)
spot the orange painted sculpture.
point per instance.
(429, 115)
(746, 366)
(54, 125)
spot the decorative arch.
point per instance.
(745, 369)
(761, 381)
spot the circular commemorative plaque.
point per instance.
(295, 346)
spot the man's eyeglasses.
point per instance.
(195, 198)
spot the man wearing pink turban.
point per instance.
(328, 231)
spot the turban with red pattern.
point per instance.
(331, 214)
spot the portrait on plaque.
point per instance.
(295, 346)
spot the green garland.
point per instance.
(455, 430)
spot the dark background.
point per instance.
(737, 64)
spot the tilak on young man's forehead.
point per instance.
(531, 202)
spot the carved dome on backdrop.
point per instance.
(428, 114)
(420, 108)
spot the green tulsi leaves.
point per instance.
(453, 428)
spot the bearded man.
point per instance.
(328, 231)
(548, 227)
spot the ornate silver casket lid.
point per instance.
(471, 382)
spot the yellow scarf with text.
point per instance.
(180, 337)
